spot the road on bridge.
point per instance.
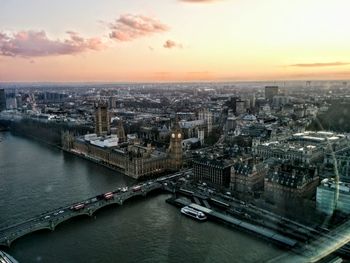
(51, 219)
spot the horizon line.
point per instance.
(170, 82)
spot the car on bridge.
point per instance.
(108, 195)
(77, 207)
(136, 188)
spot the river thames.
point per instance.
(36, 178)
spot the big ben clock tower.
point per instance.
(175, 147)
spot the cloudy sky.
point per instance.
(174, 40)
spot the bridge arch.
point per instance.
(115, 202)
(56, 223)
(139, 195)
(10, 240)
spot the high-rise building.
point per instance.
(112, 103)
(207, 116)
(270, 92)
(240, 107)
(2, 100)
(333, 196)
(231, 123)
(175, 147)
(252, 100)
(11, 103)
(201, 135)
(19, 101)
(279, 101)
(102, 120)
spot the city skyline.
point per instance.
(199, 130)
(173, 40)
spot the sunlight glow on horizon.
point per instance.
(172, 40)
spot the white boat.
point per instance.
(189, 211)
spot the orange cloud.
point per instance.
(172, 44)
(37, 44)
(326, 64)
(129, 27)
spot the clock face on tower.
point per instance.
(173, 135)
(179, 135)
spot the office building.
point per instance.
(207, 116)
(270, 92)
(327, 199)
(216, 172)
(241, 107)
(11, 103)
(342, 160)
(2, 100)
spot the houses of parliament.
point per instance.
(113, 149)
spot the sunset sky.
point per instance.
(174, 40)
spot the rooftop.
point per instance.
(291, 176)
(330, 183)
(213, 162)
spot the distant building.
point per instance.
(105, 141)
(252, 101)
(231, 103)
(270, 92)
(241, 107)
(54, 97)
(248, 176)
(279, 101)
(163, 133)
(135, 161)
(286, 183)
(342, 159)
(201, 136)
(265, 109)
(19, 101)
(102, 120)
(299, 112)
(212, 171)
(231, 123)
(305, 147)
(191, 143)
(2, 100)
(327, 200)
(121, 132)
(11, 103)
(207, 116)
(191, 128)
(112, 102)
